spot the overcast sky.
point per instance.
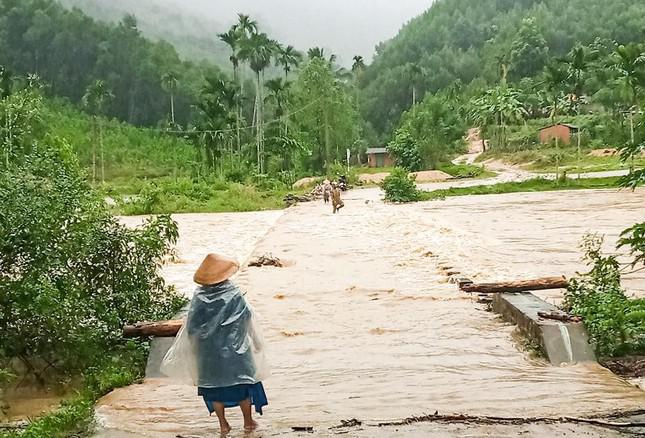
(346, 27)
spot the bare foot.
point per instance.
(224, 429)
(249, 427)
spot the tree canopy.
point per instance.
(478, 42)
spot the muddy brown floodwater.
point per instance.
(365, 325)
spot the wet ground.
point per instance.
(365, 325)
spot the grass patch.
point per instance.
(543, 159)
(465, 170)
(185, 195)
(75, 417)
(533, 185)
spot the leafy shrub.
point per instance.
(399, 186)
(405, 151)
(615, 322)
(70, 274)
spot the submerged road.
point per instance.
(365, 325)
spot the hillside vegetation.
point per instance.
(68, 51)
(465, 42)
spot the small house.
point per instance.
(379, 157)
(560, 131)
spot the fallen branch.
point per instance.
(515, 286)
(559, 316)
(480, 419)
(160, 329)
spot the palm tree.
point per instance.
(579, 62)
(233, 38)
(259, 50)
(95, 98)
(169, 82)
(358, 68)
(555, 80)
(279, 95)
(219, 98)
(629, 61)
(246, 25)
(316, 52)
(359, 64)
(287, 57)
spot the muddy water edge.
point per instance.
(365, 325)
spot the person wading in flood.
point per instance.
(219, 346)
(327, 188)
(336, 201)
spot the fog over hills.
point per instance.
(343, 27)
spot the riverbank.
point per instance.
(527, 186)
(75, 415)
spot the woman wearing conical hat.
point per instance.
(219, 346)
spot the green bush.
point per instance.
(405, 151)
(70, 274)
(399, 186)
(615, 322)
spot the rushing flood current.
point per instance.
(364, 324)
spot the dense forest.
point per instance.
(195, 38)
(68, 51)
(466, 43)
(274, 111)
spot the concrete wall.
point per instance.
(561, 132)
(373, 161)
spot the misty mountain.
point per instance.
(194, 36)
(346, 28)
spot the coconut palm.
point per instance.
(287, 57)
(95, 98)
(169, 82)
(258, 49)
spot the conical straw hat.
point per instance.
(215, 269)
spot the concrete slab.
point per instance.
(563, 342)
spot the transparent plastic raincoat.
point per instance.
(219, 345)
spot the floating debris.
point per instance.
(267, 260)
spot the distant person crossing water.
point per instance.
(336, 201)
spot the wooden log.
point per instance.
(160, 329)
(516, 286)
(559, 316)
